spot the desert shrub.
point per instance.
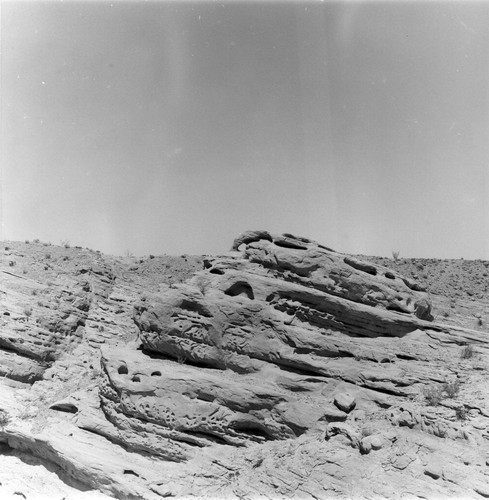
(47, 256)
(11, 263)
(27, 241)
(151, 256)
(28, 311)
(395, 254)
(37, 240)
(467, 352)
(452, 388)
(35, 291)
(433, 395)
(4, 418)
(66, 257)
(446, 314)
(7, 248)
(461, 413)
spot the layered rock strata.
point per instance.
(281, 369)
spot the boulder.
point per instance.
(345, 402)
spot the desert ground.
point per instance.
(280, 369)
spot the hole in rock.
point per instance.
(325, 248)
(252, 430)
(65, 407)
(123, 370)
(290, 244)
(131, 472)
(204, 435)
(360, 266)
(6, 313)
(240, 288)
(156, 374)
(194, 306)
(407, 357)
(136, 378)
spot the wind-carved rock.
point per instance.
(280, 369)
(278, 317)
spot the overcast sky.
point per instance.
(170, 127)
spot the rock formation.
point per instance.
(281, 369)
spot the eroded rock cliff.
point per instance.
(281, 369)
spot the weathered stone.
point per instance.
(270, 372)
(433, 470)
(345, 402)
(249, 237)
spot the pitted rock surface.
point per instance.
(280, 369)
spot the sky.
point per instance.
(171, 127)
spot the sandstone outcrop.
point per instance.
(280, 369)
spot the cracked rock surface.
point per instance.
(280, 369)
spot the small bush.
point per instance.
(461, 413)
(11, 263)
(467, 352)
(27, 241)
(452, 388)
(151, 256)
(37, 240)
(28, 311)
(433, 395)
(47, 256)
(395, 254)
(4, 418)
(7, 248)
